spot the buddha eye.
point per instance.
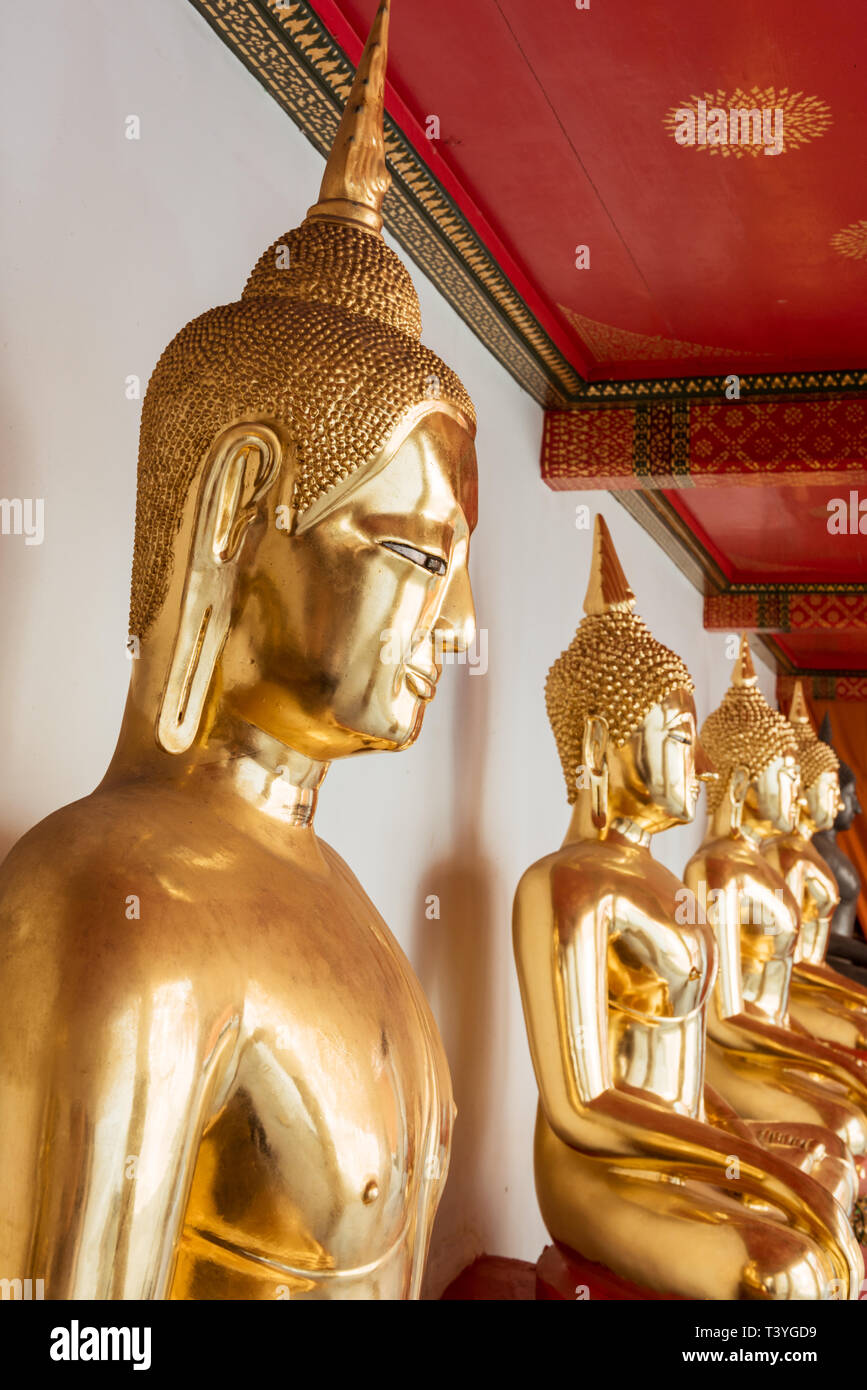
(434, 564)
(679, 737)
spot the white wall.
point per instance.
(111, 245)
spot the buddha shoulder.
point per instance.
(573, 878)
(133, 887)
(99, 886)
(730, 858)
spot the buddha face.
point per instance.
(658, 779)
(344, 619)
(823, 800)
(850, 806)
(773, 798)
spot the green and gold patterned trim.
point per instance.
(289, 50)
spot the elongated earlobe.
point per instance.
(739, 785)
(244, 463)
(595, 747)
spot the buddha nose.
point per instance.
(704, 768)
(456, 623)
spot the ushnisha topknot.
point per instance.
(814, 756)
(613, 667)
(744, 731)
(325, 339)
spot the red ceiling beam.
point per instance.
(677, 443)
(784, 608)
(828, 687)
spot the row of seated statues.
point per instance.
(219, 1075)
(702, 1121)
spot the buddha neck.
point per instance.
(726, 822)
(630, 831)
(235, 766)
(623, 827)
(805, 828)
(756, 830)
(752, 835)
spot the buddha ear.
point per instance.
(739, 785)
(594, 753)
(243, 464)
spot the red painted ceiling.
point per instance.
(774, 534)
(825, 651)
(553, 135)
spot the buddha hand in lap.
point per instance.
(629, 1173)
(242, 1093)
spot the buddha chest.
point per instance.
(319, 1172)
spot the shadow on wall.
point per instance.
(17, 562)
(8, 838)
(454, 961)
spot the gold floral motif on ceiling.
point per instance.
(610, 344)
(801, 119)
(851, 241)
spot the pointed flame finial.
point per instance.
(608, 590)
(356, 178)
(744, 672)
(798, 712)
(826, 733)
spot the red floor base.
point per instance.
(493, 1278)
(559, 1275)
(564, 1275)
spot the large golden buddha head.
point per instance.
(820, 766)
(622, 709)
(307, 483)
(754, 750)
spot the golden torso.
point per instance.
(608, 1182)
(761, 941)
(827, 1004)
(658, 979)
(258, 978)
(767, 1072)
(812, 884)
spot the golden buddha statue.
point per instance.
(846, 876)
(800, 1094)
(826, 1003)
(219, 1077)
(847, 949)
(640, 1168)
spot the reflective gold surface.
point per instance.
(822, 1001)
(219, 1076)
(629, 1172)
(804, 1090)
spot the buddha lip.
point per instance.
(421, 685)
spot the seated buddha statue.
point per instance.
(846, 876)
(640, 1168)
(847, 949)
(784, 1082)
(826, 1003)
(219, 1077)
